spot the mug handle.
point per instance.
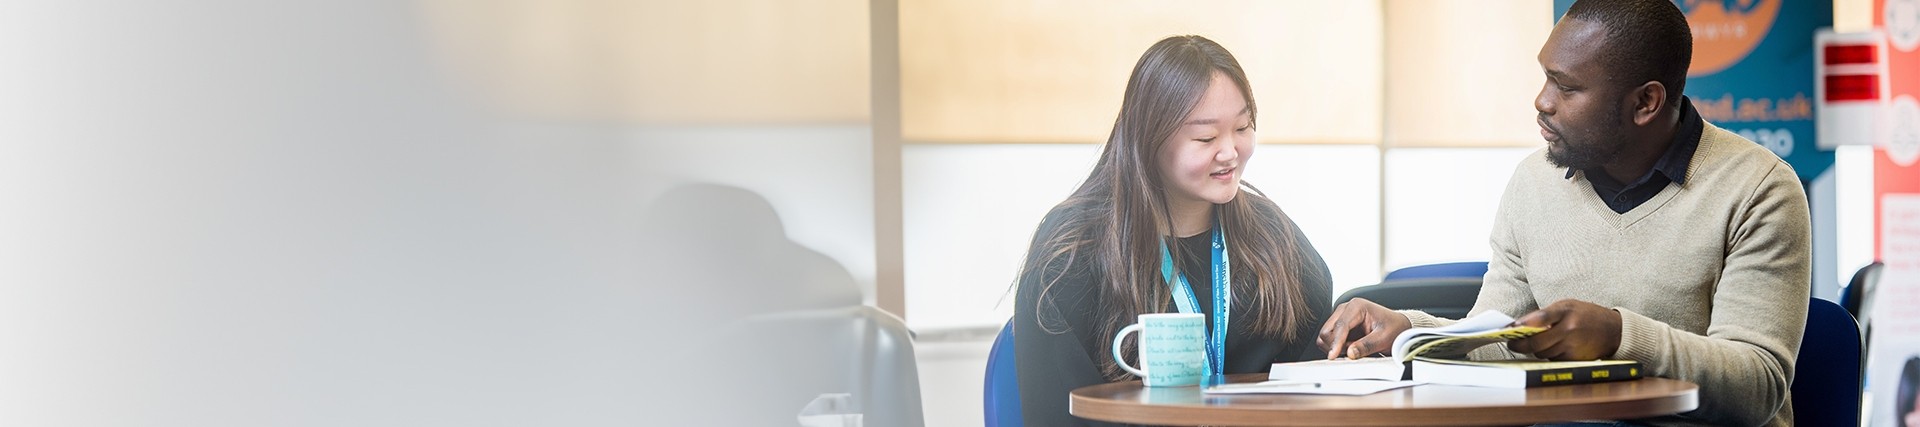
(1122, 361)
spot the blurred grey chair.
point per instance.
(1446, 289)
(761, 370)
(755, 326)
(1857, 298)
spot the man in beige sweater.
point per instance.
(1640, 232)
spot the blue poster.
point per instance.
(1752, 72)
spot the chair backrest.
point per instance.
(1002, 391)
(857, 350)
(1448, 297)
(1857, 298)
(1473, 269)
(1826, 380)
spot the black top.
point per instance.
(1050, 365)
(1671, 168)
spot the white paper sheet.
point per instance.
(1340, 387)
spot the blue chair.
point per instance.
(1826, 381)
(1473, 269)
(1002, 392)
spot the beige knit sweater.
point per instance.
(1710, 277)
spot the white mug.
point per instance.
(1173, 348)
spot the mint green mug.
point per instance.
(1173, 349)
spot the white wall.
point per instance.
(1333, 193)
(1440, 202)
(953, 380)
(970, 212)
(1853, 194)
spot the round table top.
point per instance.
(1432, 405)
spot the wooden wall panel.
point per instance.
(1463, 73)
(1052, 71)
(663, 62)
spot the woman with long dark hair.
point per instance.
(1165, 191)
(1906, 400)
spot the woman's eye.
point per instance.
(1243, 129)
(1205, 140)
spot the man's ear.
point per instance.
(1647, 101)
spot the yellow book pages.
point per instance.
(1453, 347)
(1455, 340)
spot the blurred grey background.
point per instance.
(357, 212)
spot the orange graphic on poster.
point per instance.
(1725, 31)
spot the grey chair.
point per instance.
(748, 326)
(769, 366)
(1448, 297)
(1857, 297)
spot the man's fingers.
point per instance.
(1530, 319)
(1358, 328)
(1539, 342)
(1565, 348)
(1334, 339)
(1558, 351)
(1522, 346)
(1340, 325)
(1327, 328)
(1543, 318)
(1333, 320)
(1372, 343)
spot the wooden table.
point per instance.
(1427, 405)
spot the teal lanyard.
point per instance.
(1216, 360)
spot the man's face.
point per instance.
(1581, 110)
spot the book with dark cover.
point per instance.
(1522, 373)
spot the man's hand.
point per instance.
(1373, 326)
(1576, 330)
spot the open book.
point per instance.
(1447, 342)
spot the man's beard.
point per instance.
(1590, 149)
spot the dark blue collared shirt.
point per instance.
(1670, 169)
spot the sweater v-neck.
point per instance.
(1622, 221)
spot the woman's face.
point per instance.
(1913, 418)
(1201, 164)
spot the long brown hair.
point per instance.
(1113, 220)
